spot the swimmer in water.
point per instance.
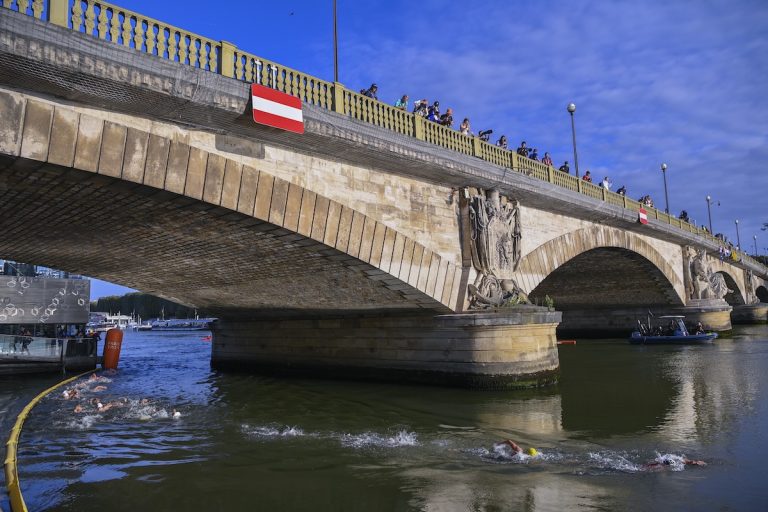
(99, 388)
(668, 461)
(516, 448)
(176, 414)
(69, 394)
(78, 409)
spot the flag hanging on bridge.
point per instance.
(276, 109)
(642, 216)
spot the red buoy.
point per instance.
(112, 345)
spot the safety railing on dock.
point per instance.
(16, 348)
(130, 29)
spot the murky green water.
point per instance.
(252, 443)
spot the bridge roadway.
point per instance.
(345, 250)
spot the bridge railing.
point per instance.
(111, 23)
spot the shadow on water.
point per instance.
(602, 377)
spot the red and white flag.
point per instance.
(277, 109)
(642, 216)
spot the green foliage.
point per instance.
(144, 305)
(549, 302)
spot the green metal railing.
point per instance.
(133, 30)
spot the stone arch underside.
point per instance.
(600, 268)
(109, 201)
(762, 293)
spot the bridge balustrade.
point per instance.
(133, 30)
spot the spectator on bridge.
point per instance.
(622, 191)
(502, 142)
(684, 216)
(420, 107)
(564, 168)
(433, 113)
(371, 91)
(534, 154)
(547, 160)
(522, 150)
(402, 103)
(606, 183)
(464, 128)
(587, 177)
(447, 118)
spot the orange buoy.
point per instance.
(112, 344)
(566, 342)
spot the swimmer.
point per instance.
(107, 406)
(99, 388)
(176, 414)
(78, 409)
(69, 394)
(516, 448)
(668, 461)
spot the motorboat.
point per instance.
(669, 330)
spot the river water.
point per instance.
(245, 442)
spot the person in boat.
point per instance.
(516, 449)
(698, 329)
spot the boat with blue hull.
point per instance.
(671, 331)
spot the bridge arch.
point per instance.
(582, 267)
(762, 293)
(187, 200)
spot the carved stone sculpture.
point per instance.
(749, 288)
(495, 230)
(707, 284)
(495, 234)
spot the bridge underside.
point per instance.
(604, 291)
(179, 248)
(607, 278)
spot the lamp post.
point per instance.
(754, 239)
(738, 238)
(709, 215)
(571, 110)
(335, 46)
(666, 197)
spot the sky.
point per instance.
(678, 82)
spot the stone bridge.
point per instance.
(350, 249)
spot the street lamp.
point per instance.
(754, 239)
(335, 47)
(738, 238)
(666, 197)
(709, 214)
(571, 110)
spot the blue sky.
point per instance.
(681, 82)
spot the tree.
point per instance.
(143, 305)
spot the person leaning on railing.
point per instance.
(564, 168)
(523, 150)
(447, 118)
(402, 103)
(547, 160)
(370, 92)
(464, 128)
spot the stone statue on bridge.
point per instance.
(707, 284)
(495, 229)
